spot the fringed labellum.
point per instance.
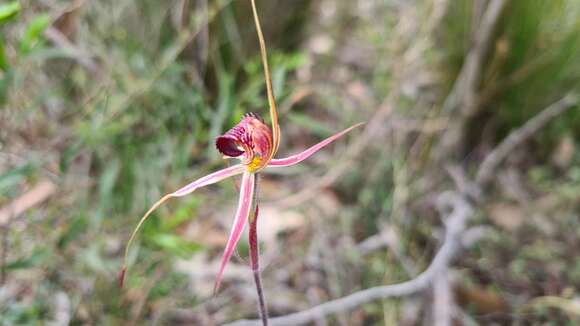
(251, 140)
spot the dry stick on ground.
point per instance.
(456, 236)
(443, 301)
(3, 252)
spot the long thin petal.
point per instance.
(209, 179)
(242, 214)
(201, 182)
(297, 158)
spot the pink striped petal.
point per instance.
(201, 182)
(297, 158)
(244, 208)
(209, 179)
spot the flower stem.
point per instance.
(254, 255)
(261, 303)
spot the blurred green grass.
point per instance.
(118, 136)
(140, 123)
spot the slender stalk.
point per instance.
(268, 79)
(254, 250)
(254, 261)
(3, 252)
(261, 302)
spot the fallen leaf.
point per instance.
(35, 196)
(507, 216)
(273, 221)
(564, 152)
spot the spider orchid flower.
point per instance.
(254, 143)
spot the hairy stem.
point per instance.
(3, 253)
(254, 262)
(261, 303)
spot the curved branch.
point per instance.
(517, 137)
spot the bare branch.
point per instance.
(520, 135)
(442, 299)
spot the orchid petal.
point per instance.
(209, 179)
(242, 214)
(201, 182)
(297, 158)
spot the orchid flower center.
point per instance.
(250, 140)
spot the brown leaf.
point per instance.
(564, 152)
(482, 300)
(507, 216)
(34, 197)
(68, 21)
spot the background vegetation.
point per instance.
(106, 105)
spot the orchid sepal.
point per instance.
(183, 191)
(269, 88)
(297, 158)
(244, 209)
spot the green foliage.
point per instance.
(175, 245)
(38, 256)
(532, 62)
(11, 178)
(32, 37)
(9, 10)
(3, 62)
(543, 45)
(140, 119)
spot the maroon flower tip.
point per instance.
(250, 140)
(228, 145)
